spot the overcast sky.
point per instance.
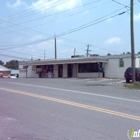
(28, 27)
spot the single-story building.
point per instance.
(113, 66)
(5, 71)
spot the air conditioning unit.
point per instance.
(77, 56)
(93, 55)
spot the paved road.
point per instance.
(67, 109)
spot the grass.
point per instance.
(135, 86)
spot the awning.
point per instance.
(64, 61)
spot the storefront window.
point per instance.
(89, 67)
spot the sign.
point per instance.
(133, 134)
(33, 68)
(38, 70)
(23, 70)
(121, 62)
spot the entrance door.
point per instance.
(60, 71)
(70, 67)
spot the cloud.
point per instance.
(109, 20)
(114, 40)
(44, 5)
(35, 38)
(18, 3)
(137, 17)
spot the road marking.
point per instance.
(99, 80)
(79, 79)
(74, 91)
(106, 111)
(121, 81)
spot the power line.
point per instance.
(63, 11)
(120, 3)
(67, 32)
(13, 56)
(59, 12)
(25, 53)
(32, 8)
(51, 21)
(87, 25)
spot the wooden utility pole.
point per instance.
(74, 51)
(132, 40)
(55, 47)
(44, 55)
(87, 51)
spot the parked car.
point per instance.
(12, 76)
(128, 74)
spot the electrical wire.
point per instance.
(67, 32)
(20, 13)
(62, 11)
(120, 3)
(25, 53)
(54, 20)
(14, 56)
(87, 25)
(45, 16)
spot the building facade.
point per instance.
(5, 71)
(92, 67)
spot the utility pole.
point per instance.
(87, 51)
(74, 51)
(55, 47)
(44, 55)
(132, 40)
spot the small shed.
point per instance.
(5, 71)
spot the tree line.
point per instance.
(12, 64)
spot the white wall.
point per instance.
(31, 73)
(112, 69)
(55, 71)
(89, 75)
(65, 69)
(21, 73)
(137, 62)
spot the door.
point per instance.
(70, 67)
(60, 71)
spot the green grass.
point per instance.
(135, 86)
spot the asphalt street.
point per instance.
(67, 109)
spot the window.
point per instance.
(49, 68)
(89, 67)
(121, 62)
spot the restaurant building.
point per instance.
(90, 67)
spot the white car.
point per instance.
(12, 76)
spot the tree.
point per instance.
(139, 52)
(13, 64)
(108, 54)
(128, 53)
(1, 63)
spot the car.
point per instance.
(128, 74)
(12, 76)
